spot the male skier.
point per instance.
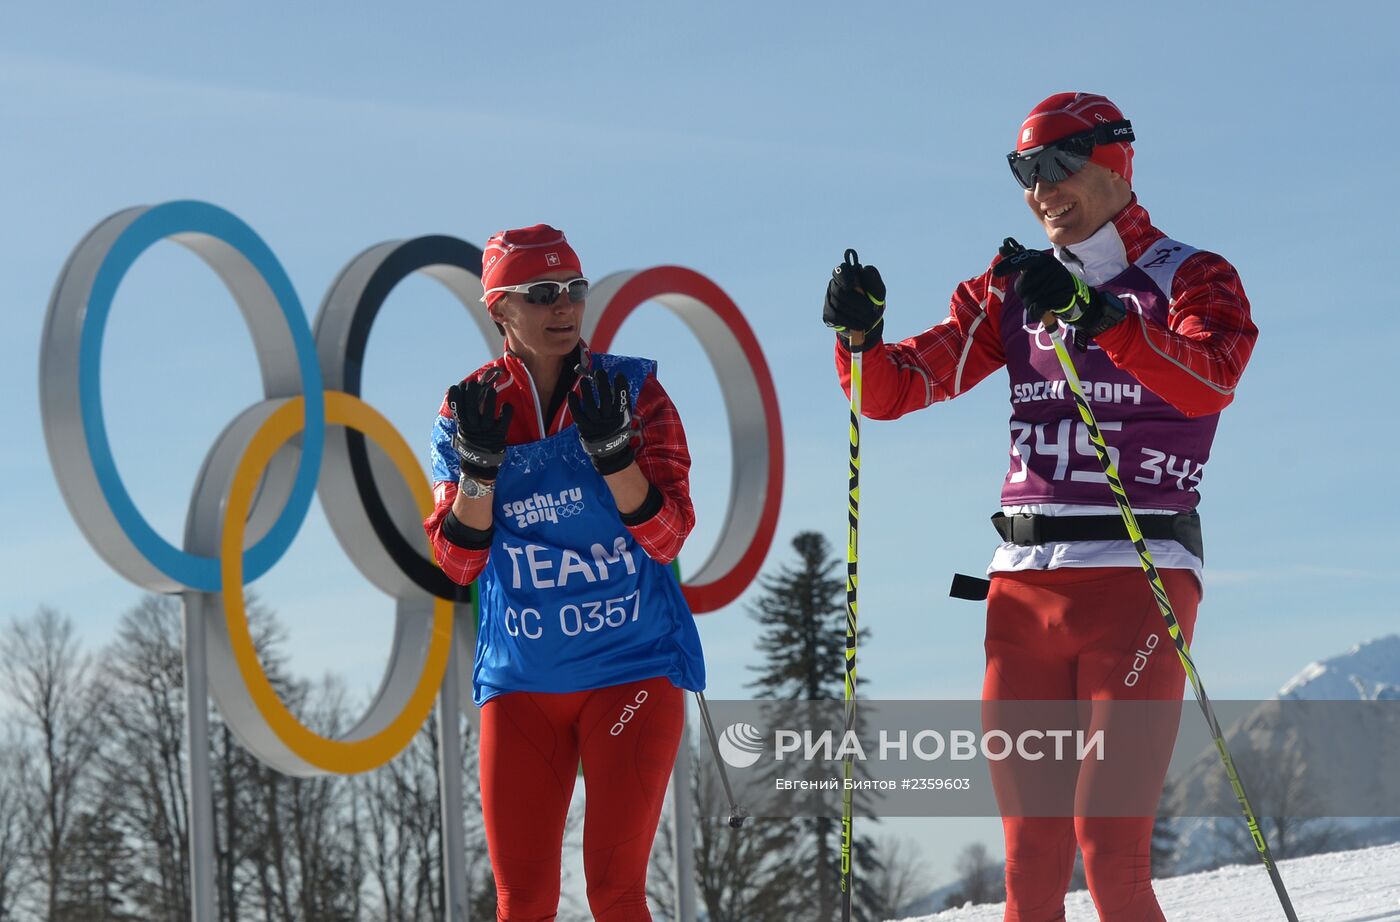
(1161, 334)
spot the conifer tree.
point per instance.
(803, 611)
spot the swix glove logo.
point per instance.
(545, 507)
(470, 454)
(741, 745)
(628, 712)
(1140, 658)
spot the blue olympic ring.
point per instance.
(159, 223)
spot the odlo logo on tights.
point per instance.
(1140, 660)
(627, 711)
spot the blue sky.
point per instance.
(752, 142)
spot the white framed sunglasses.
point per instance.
(547, 291)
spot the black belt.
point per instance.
(1026, 530)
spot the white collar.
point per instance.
(1099, 258)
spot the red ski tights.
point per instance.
(531, 746)
(1084, 634)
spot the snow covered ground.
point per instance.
(1358, 886)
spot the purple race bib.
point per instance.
(1160, 453)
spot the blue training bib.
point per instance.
(569, 601)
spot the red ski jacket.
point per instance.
(1194, 363)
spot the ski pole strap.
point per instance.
(971, 588)
(1027, 530)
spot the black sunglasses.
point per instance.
(1059, 160)
(548, 291)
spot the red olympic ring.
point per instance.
(655, 284)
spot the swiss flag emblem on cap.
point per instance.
(551, 259)
(1026, 135)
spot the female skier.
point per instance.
(561, 485)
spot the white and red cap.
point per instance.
(1065, 114)
(513, 257)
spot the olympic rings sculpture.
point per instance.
(256, 484)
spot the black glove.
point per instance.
(855, 302)
(1045, 286)
(601, 410)
(481, 434)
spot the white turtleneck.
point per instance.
(1097, 259)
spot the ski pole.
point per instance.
(852, 264)
(737, 814)
(1164, 605)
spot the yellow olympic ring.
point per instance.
(345, 757)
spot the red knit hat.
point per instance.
(513, 257)
(1065, 114)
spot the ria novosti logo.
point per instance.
(741, 745)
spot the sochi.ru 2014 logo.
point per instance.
(545, 507)
(741, 744)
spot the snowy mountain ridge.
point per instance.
(1369, 671)
(1354, 886)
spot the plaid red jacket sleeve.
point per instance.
(937, 364)
(461, 564)
(1197, 360)
(664, 458)
(662, 455)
